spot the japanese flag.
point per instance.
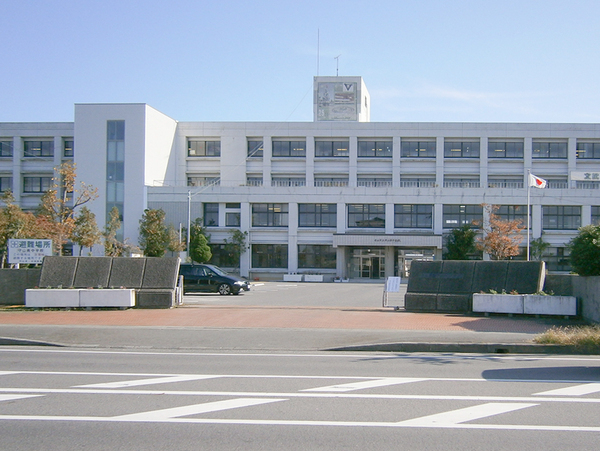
(536, 181)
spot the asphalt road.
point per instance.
(68, 398)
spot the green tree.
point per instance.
(86, 232)
(199, 249)
(537, 248)
(154, 237)
(236, 245)
(460, 243)
(175, 243)
(585, 251)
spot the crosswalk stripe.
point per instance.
(366, 384)
(455, 417)
(165, 414)
(153, 381)
(577, 390)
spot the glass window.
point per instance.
(561, 217)
(269, 255)
(413, 216)
(254, 181)
(461, 149)
(418, 149)
(6, 149)
(194, 180)
(549, 149)
(596, 215)
(211, 215)
(233, 205)
(509, 149)
(255, 149)
(232, 219)
(289, 148)
(458, 215)
(269, 215)
(288, 181)
(375, 149)
(39, 148)
(512, 213)
(319, 256)
(317, 215)
(6, 184)
(68, 148)
(36, 184)
(588, 150)
(332, 148)
(366, 215)
(116, 130)
(204, 148)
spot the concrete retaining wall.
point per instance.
(586, 289)
(14, 282)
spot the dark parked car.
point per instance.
(210, 278)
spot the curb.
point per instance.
(4, 341)
(471, 348)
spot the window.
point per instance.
(289, 148)
(451, 182)
(211, 215)
(587, 150)
(557, 259)
(331, 181)
(5, 184)
(418, 149)
(560, 217)
(375, 149)
(115, 169)
(505, 149)
(39, 148)
(595, 215)
(36, 184)
(6, 149)
(417, 182)
(232, 218)
(505, 183)
(269, 215)
(366, 215)
(461, 149)
(413, 216)
(222, 257)
(204, 148)
(254, 181)
(255, 149)
(374, 182)
(317, 215)
(549, 149)
(557, 183)
(210, 180)
(68, 148)
(512, 213)
(458, 215)
(320, 256)
(332, 149)
(288, 181)
(269, 255)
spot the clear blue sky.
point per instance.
(222, 60)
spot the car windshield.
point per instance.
(219, 271)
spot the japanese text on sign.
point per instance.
(28, 251)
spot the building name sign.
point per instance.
(28, 252)
(586, 176)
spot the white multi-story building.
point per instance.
(339, 196)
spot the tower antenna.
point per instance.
(318, 49)
(337, 64)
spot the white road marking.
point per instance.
(15, 397)
(366, 384)
(578, 390)
(138, 382)
(167, 414)
(455, 417)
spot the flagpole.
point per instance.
(528, 208)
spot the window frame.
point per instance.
(594, 150)
(44, 182)
(571, 221)
(471, 214)
(210, 214)
(256, 148)
(45, 149)
(293, 148)
(6, 149)
(366, 214)
(468, 149)
(270, 214)
(332, 148)
(323, 215)
(421, 216)
(413, 149)
(555, 150)
(369, 148)
(203, 148)
(500, 150)
(272, 256)
(322, 256)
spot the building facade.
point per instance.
(339, 196)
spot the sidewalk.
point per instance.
(279, 317)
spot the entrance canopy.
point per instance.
(388, 240)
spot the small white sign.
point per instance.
(393, 284)
(28, 252)
(586, 176)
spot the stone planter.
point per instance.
(550, 305)
(498, 303)
(313, 278)
(49, 297)
(107, 298)
(292, 277)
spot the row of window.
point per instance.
(409, 149)
(30, 184)
(37, 148)
(409, 216)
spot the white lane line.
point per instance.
(139, 382)
(455, 417)
(578, 390)
(14, 397)
(166, 414)
(366, 384)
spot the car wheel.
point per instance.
(224, 289)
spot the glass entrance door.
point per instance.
(368, 264)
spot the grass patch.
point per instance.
(585, 339)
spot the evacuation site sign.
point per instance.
(28, 251)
